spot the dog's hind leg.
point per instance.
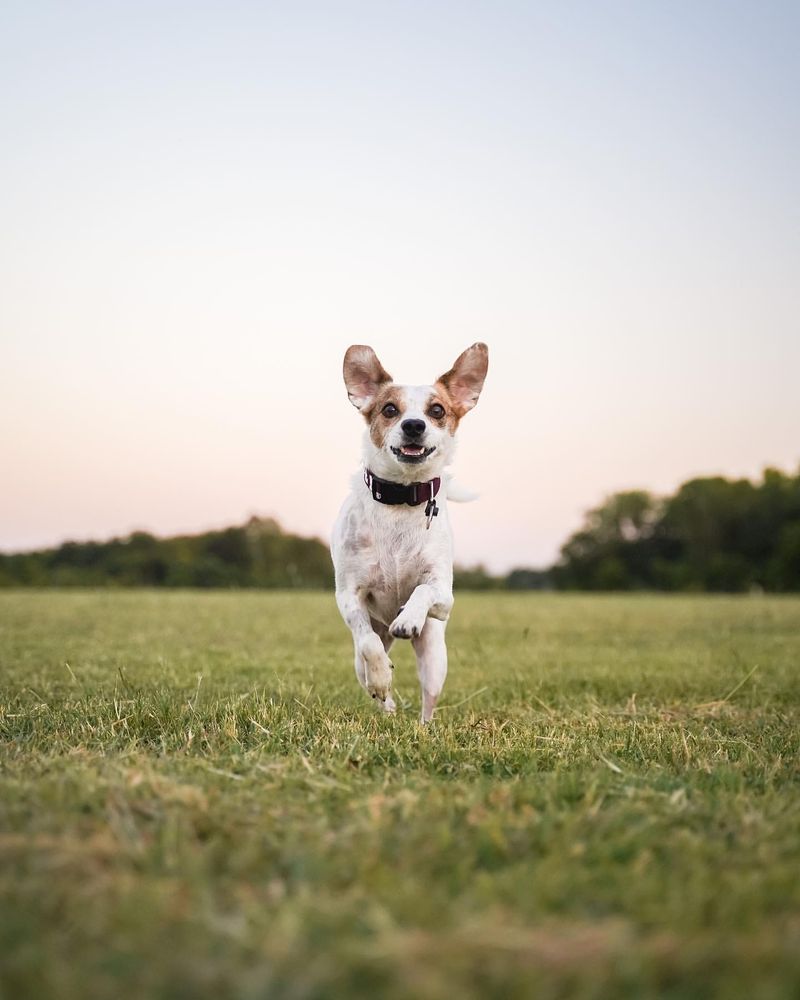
(431, 653)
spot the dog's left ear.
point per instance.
(363, 375)
(465, 379)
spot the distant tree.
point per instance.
(474, 578)
(529, 579)
(613, 548)
(783, 568)
(712, 534)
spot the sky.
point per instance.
(202, 205)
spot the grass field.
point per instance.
(197, 800)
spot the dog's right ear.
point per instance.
(363, 375)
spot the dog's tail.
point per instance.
(457, 493)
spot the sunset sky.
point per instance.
(203, 204)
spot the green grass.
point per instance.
(197, 800)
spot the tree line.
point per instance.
(712, 534)
(257, 554)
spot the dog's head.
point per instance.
(411, 428)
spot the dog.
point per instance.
(392, 545)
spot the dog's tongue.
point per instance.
(412, 449)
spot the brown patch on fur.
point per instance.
(361, 541)
(379, 425)
(451, 417)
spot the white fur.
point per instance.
(394, 576)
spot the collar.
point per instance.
(414, 494)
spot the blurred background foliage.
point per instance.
(257, 554)
(712, 534)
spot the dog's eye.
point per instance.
(390, 410)
(436, 411)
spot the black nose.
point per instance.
(413, 428)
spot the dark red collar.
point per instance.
(413, 494)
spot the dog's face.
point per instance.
(411, 429)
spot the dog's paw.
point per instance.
(408, 624)
(377, 671)
(379, 683)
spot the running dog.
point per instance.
(392, 544)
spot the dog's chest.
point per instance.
(385, 552)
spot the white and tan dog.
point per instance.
(393, 556)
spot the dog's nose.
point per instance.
(413, 428)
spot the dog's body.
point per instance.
(393, 558)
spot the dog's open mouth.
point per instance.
(413, 453)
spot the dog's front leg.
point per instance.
(432, 600)
(373, 666)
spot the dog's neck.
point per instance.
(388, 492)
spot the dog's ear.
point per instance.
(363, 375)
(465, 379)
